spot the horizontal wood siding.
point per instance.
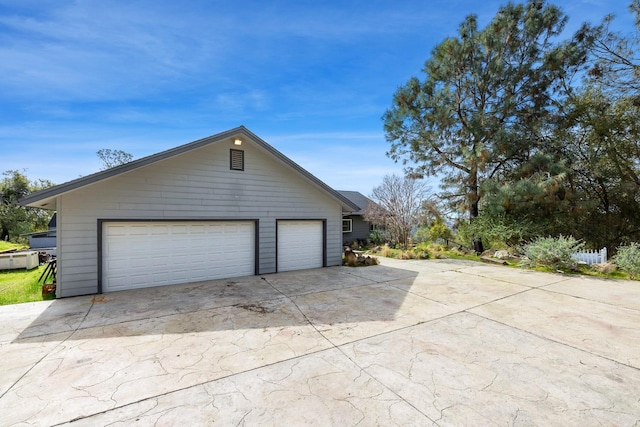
(359, 229)
(194, 185)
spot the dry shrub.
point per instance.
(437, 247)
(386, 251)
(406, 255)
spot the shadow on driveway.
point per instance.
(272, 300)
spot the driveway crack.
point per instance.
(60, 344)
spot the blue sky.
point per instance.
(312, 78)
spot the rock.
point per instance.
(371, 261)
(502, 255)
(493, 260)
(353, 259)
(48, 289)
(605, 267)
(350, 258)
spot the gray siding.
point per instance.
(359, 229)
(42, 242)
(195, 185)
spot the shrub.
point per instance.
(376, 237)
(421, 235)
(407, 255)
(439, 230)
(552, 252)
(501, 232)
(386, 251)
(628, 259)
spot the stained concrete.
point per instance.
(435, 342)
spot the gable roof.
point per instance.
(358, 199)
(47, 198)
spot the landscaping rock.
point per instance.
(493, 260)
(605, 267)
(353, 259)
(49, 289)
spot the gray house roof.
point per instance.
(47, 198)
(358, 199)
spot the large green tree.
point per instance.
(615, 58)
(602, 150)
(487, 99)
(16, 219)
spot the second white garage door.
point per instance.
(300, 245)
(144, 254)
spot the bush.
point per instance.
(386, 251)
(376, 237)
(407, 255)
(502, 232)
(552, 252)
(628, 259)
(421, 235)
(439, 230)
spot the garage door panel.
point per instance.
(300, 245)
(144, 254)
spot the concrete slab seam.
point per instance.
(48, 352)
(587, 299)
(544, 338)
(334, 346)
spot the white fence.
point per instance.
(591, 257)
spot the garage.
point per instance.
(300, 244)
(141, 254)
(208, 209)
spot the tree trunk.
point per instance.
(473, 195)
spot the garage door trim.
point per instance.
(324, 236)
(101, 221)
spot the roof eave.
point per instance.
(47, 198)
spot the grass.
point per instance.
(583, 270)
(4, 246)
(18, 286)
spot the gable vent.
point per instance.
(237, 160)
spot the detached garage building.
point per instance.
(223, 206)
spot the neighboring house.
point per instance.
(223, 206)
(44, 239)
(354, 226)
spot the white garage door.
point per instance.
(143, 254)
(300, 245)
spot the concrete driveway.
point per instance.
(436, 342)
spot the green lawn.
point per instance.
(8, 245)
(18, 286)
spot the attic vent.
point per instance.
(237, 160)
